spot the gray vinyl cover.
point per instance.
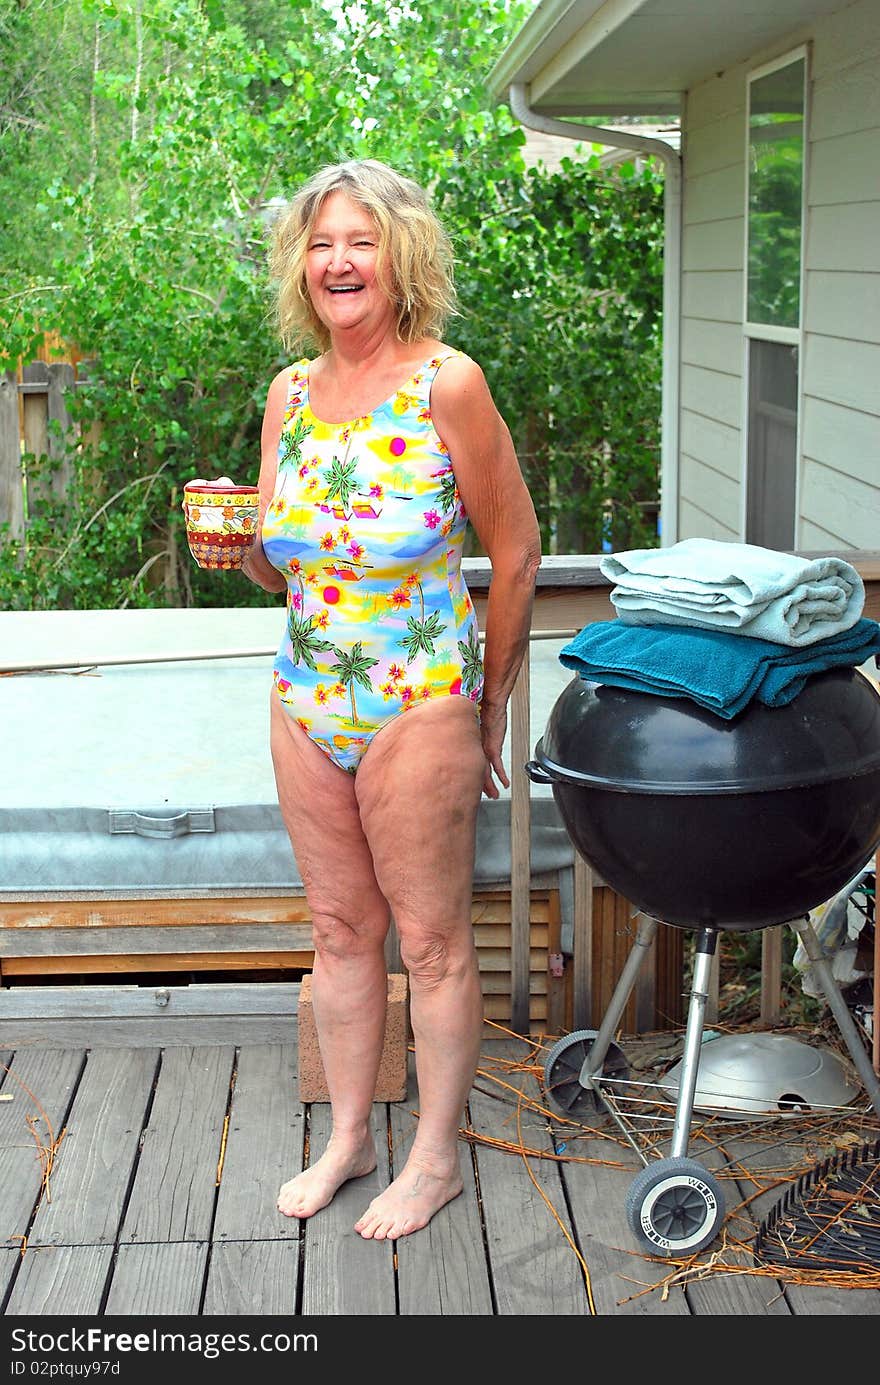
(154, 779)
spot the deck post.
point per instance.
(11, 489)
(520, 852)
(582, 945)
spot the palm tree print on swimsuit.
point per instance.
(289, 462)
(449, 496)
(292, 439)
(341, 483)
(401, 479)
(305, 640)
(421, 633)
(471, 665)
(353, 668)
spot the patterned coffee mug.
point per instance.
(221, 522)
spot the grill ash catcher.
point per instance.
(709, 825)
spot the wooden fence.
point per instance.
(34, 418)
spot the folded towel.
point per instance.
(736, 586)
(716, 668)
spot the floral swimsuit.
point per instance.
(367, 526)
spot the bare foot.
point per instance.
(316, 1186)
(409, 1202)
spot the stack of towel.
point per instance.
(722, 623)
(736, 586)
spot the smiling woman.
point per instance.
(387, 723)
(389, 223)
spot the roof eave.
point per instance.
(525, 54)
(537, 56)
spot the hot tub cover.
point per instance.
(155, 779)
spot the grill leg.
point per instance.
(693, 1038)
(845, 1021)
(595, 1059)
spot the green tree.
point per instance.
(570, 337)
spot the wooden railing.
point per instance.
(571, 593)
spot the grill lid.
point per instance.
(634, 742)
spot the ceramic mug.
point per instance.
(221, 521)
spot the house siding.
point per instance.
(710, 423)
(839, 438)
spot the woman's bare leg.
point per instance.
(419, 789)
(349, 923)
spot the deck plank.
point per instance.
(41, 1082)
(442, 1270)
(176, 1178)
(61, 1281)
(189, 1247)
(90, 1183)
(534, 1270)
(343, 1274)
(813, 1300)
(10, 1263)
(163, 1280)
(623, 1280)
(252, 1278)
(264, 1146)
(719, 1147)
(596, 1169)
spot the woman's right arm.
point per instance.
(256, 565)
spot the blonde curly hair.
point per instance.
(415, 260)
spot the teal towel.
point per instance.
(717, 669)
(759, 592)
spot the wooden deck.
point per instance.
(140, 1182)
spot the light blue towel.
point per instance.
(716, 668)
(736, 586)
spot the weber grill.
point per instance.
(709, 825)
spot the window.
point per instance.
(772, 433)
(775, 195)
(772, 308)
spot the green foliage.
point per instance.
(740, 977)
(775, 192)
(142, 151)
(569, 335)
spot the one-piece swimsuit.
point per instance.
(367, 526)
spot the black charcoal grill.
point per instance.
(710, 825)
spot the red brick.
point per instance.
(391, 1081)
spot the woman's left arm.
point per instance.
(499, 506)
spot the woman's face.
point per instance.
(341, 267)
